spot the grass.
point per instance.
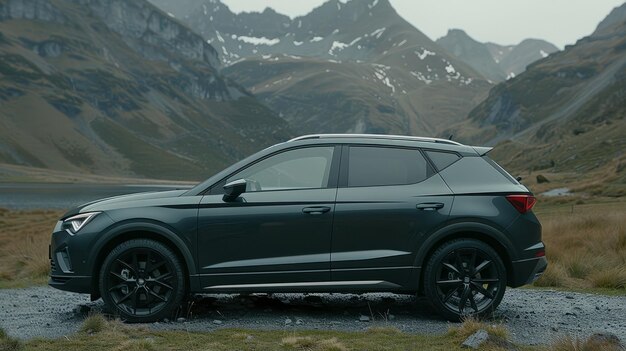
(591, 344)
(98, 333)
(585, 246)
(24, 240)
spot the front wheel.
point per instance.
(465, 277)
(142, 281)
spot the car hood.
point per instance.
(111, 202)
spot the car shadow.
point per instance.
(364, 307)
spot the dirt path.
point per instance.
(532, 316)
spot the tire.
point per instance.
(142, 281)
(464, 277)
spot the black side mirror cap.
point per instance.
(233, 189)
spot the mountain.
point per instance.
(565, 113)
(523, 54)
(118, 87)
(472, 52)
(495, 62)
(344, 67)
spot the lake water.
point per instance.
(65, 196)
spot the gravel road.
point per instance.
(532, 316)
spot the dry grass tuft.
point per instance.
(592, 344)
(298, 342)
(8, 343)
(95, 323)
(310, 343)
(471, 325)
(585, 249)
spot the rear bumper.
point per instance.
(527, 271)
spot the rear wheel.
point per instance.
(142, 281)
(465, 277)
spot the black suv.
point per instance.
(319, 213)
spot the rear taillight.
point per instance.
(522, 203)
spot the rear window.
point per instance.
(441, 159)
(500, 169)
(378, 166)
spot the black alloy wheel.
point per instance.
(465, 277)
(142, 281)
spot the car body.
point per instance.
(319, 213)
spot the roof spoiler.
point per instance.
(482, 150)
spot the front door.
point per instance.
(277, 234)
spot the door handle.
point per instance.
(315, 210)
(430, 206)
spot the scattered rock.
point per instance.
(480, 337)
(249, 337)
(542, 179)
(288, 321)
(570, 297)
(180, 320)
(82, 309)
(299, 321)
(364, 318)
(217, 321)
(475, 340)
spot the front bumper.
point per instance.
(527, 271)
(70, 256)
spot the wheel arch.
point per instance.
(143, 230)
(466, 230)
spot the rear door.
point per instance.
(389, 199)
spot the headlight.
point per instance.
(75, 223)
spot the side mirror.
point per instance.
(233, 189)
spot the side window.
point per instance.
(442, 159)
(307, 168)
(374, 166)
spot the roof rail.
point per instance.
(377, 136)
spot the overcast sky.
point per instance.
(560, 22)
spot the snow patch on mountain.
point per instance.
(424, 54)
(257, 41)
(337, 45)
(378, 32)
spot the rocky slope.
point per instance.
(472, 52)
(565, 112)
(516, 58)
(344, 67)
(494, 61)
(119, 87)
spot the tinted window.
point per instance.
(500, 169)
(307, 168)
(442, 160)
(372, 166)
